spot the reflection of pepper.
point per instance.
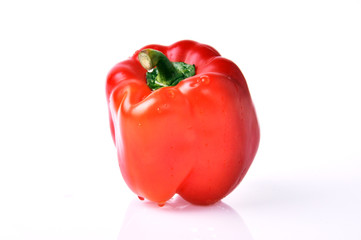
(192, 130)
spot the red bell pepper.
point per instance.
(183, 126)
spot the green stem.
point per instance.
(150, 58)
(166, 73)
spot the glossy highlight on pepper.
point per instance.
(187, 127)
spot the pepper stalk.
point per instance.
(161, 71)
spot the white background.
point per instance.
(59, 177)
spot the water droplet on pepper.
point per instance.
(205, 79)
(171, 93)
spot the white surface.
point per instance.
(59, 177)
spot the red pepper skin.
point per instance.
(197, 139)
